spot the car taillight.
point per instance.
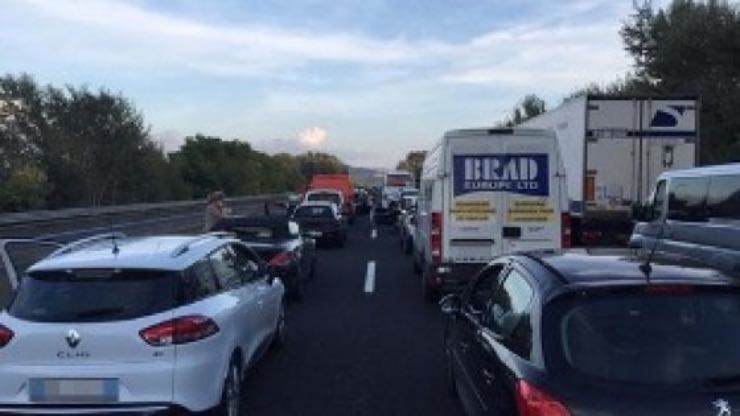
(179, 331)
(567, 236)
(281, 259)
(531, 401)
(436, 237)
(662, 289)
(5, 336)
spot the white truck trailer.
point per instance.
(614, 149)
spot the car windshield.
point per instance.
(325, 196)
(651, 338)
(88, 295)
(313, 212)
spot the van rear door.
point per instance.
(472, 228)
(532, 205)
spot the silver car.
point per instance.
(149, 324)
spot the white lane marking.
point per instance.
(374, 234)
(370, 277)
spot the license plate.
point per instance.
(315, 233)
(74, 390)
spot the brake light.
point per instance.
(281, 259)
(5, 336)
(659, 289)
(567, 231)
(532, 401)
(179, 331)
(436, 238)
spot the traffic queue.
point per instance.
(533, 326)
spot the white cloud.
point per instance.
(312, 137)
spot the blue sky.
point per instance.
(365, 79)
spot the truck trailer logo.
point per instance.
(668, 116)
(525, 174)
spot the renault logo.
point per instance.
(723, 407)
(73, 338)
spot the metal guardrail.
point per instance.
(136, 219)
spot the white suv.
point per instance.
(146, 325)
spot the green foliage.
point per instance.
(413, 162)
(530, 106)
(75, 147)
(316, 163)
(692, 47)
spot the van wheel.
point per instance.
(415, 263)
(428, 292)
(231, 395)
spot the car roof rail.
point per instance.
(79, 244)
(185, 246)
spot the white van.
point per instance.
(484, 193)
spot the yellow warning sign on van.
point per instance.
(473, 210)
(530, 211)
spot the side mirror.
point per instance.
(640, 212)
(450, 304)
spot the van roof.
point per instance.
(495, 131)
(714, 170)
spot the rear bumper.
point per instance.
(154, 409)
(452, 277)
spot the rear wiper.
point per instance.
(732, 381)
(96, 313)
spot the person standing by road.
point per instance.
(215, 210)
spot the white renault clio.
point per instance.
(138, 325)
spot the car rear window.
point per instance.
(87, 295)
(313, 212)
(666, 337)
(325, 197)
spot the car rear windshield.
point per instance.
(666, 336)
(329, 197)
(87, 295)
(313, 212)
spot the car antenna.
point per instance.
(646, 267)
(114, 239)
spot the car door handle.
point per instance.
(488, 376)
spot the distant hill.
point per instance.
(367, 176)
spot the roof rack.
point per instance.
(78, 244)
(184, 247)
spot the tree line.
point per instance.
(687, 48)
(68, 147)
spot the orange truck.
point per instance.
(340, 183)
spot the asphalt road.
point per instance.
(354, 353)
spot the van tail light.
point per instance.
(531, 401)
(179, 331)
(281, 259)
(5, 336)
(567, 230)
(436, 238)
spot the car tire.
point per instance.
(278, 337)
(429, 294)
(314, 263)
(230, 404)
(451, 381)
(415, 264)
(296, 294)
(408, 246)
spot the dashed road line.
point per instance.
(370, 277)
(374, 234)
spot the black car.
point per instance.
(322, 221)
(289, 255)
(561, 334)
